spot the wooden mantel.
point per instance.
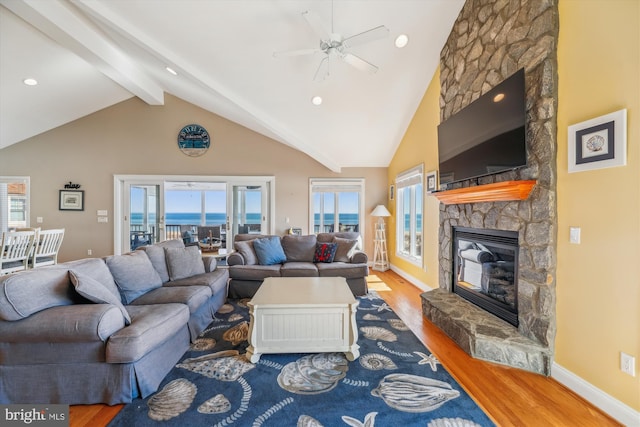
(498, 192)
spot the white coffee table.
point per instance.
(303, 315)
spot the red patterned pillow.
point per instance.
(325, 252)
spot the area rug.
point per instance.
(396, 381)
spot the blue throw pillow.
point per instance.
(325, 252)
(269, 250)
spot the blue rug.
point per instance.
(396, 381)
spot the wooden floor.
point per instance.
(509, 396)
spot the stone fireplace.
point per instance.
(490, 40)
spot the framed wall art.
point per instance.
(71, 200)
(598, 143)
(432, 181)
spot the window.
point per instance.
(409, 201)
(336, 205)
(14, 202)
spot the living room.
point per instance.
(597, 305)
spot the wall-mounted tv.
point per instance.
(486, 137)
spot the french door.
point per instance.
(150, 209)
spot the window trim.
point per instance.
(338, 185)
(409, 178)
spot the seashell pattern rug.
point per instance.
(396, 381)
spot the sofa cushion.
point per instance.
(28, 292)
(343, 269)
(269, 250)
(299, 248)
(94, 291)
(245, 248)
(254, 272)
(298, 269)
(183, 262)
(345, 249)
(151, 326)
(215, 280)
(97, 269)
(134, 274)
(325, 252)
(157, 257)
(192, 296)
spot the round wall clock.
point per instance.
(194, 140)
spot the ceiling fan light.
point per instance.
(30, 81)
(401, 41)
(316, 100)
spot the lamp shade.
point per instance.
(380, 210)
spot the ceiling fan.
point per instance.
(333, 45)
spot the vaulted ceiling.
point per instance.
(90, 54)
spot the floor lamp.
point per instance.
(380, 258)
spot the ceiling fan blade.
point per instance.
(358, 63)
(296, 52)
(316, 24)
(366, 37)
(323, 70)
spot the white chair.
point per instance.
(15, 249)
(46, 247)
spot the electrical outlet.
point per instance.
(627, 364)
(89, 252)
(574, 235)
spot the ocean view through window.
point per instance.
(409, 205)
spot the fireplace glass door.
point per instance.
(486, 266)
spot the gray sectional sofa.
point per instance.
(104, 330)
(248, 267)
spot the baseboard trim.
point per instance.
(612, 406)
(414, 281)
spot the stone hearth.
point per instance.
(490, 40)
(482, 335)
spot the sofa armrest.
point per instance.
(68, 323)
(235, 259)
(210, 263)
(359, 257)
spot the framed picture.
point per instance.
(71, 200)
(392, 190)
(598, 143)
(432, 181)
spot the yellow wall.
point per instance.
(598, 281)
(420, 146)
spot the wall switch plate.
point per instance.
(574, 235)
(39, 220)
(627, 364)
(103, 212)
(103, 219)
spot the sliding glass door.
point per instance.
(208, 211)
(143, 219)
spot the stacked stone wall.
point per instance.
(491, 40)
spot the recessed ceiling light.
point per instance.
(171, 71)
(316, 100)
(30, 82)
(402, 40)
(499, 97)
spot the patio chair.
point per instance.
(46, 247)
(15, 249)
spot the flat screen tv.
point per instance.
(486, 137)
